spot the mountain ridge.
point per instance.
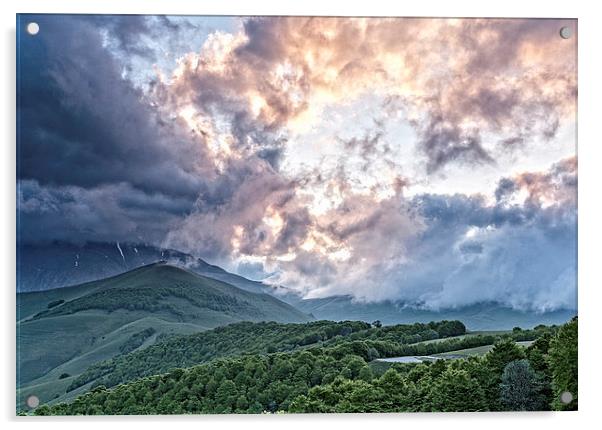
(483, 316)
(59, 264)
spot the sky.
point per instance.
(427, 161)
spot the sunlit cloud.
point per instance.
(470, 92)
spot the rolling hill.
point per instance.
(61, 332)
(183, 351)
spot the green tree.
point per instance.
(399, 391)
(456, 391)
(521, 387)
(331, 376)
(360, 396)
(502, 353)
(226, 396)
(366, 374)
(451, 328)
(563, 364)
(496, 360)
(322, 398)
(354, 365)
(537, 354)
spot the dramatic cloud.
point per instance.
(329, 155)
(519, 251)
(116, 212)
(247, 216)
(457, 82)
(84, 125)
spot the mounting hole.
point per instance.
(33, 401)
(566, 32)
(33, 28)
(566, 397)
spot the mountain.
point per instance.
(481, 316)
(61, 332)
(60, 264)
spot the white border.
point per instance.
(590, 216)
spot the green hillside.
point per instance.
(337, 378)
(251, 338)
(61, 332)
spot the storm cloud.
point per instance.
(84, 125)
(307, 151)
(114, 212)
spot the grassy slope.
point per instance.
(50, 386)
(470, 334)
(480, 350)
(70, 337)
(379, 367)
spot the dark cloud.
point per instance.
(133, 35)
(127, 30)
(445, 251)
(506, 186)
(444, 143)
(294, 231)
(556, 186)
(115, 212)
(82, 124)
(241, 199)
(371, 147)
(471, 247)
(84, 130)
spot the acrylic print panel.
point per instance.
(222, 214)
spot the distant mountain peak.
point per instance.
(59, 264)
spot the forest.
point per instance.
(269, 337)
(329, 367)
